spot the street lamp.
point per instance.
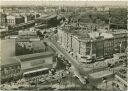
(91, 41)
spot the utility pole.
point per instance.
(91, 49)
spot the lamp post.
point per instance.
(91, 41)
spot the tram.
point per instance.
(37, 72)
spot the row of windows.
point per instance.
(108, 44)
(3, 20)
(11, 21)
(11, 67)
(107, 54)
(8, 72)
(120, 40)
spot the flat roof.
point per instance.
(97, 34)
(9, 60)
(30, 57)
(101, 74)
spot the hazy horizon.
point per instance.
(64, 3)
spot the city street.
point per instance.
(64, 45)
(77, 69)
(108, 86)
(81, 69)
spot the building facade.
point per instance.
(36, 61)
(3, 19)
(108, 48)
(29, 17)
(13, 20)
(84, 44)
(27, 34)
(120, 40)
(10, 69)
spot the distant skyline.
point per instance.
(65, 3)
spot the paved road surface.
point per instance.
(79, 71)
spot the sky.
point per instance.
(65, 2)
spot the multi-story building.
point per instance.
(118, 18)
(3, 19)
(10, 69)
(108, 48)
(36, 61)
(120, 40)
(27, 34)
(13, 20)
(29, 17)
(85, 44)
(3, 31)
(102, 45)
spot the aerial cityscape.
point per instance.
(64, 45)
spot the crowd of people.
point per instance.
(34, 81)
(14, 85)
(47, 77)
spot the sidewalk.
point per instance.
(108, 86)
